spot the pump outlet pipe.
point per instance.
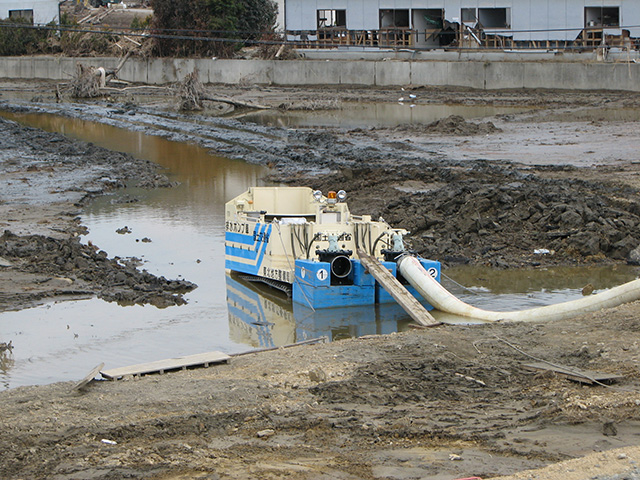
(441, 299)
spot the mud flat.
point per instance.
(443, 403)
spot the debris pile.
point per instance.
(190, 93)
(88, 81)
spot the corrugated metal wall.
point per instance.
(530, 19)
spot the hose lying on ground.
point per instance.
(441, 299)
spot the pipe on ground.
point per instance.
(441, 299)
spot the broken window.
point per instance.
(394, 18)
(427, 19)
(22, 14)
(602, 16)
(332, 18)
(494, 17)
(468, 16)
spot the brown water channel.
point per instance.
(64, 340)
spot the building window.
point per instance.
(602, 16)
(394, 18)
(332, 18)
(494, 17)
(21, 14)
(429, 18)
(468, 16)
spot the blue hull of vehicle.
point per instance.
(314, 286)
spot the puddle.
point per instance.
(505, 290)
(374, 115)
(63, 340)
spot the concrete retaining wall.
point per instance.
(474, 74)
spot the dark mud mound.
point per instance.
(410, 381)
(113, 279)
(498, 215)
(453, 125)
(456, 125)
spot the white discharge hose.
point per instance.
(443, 300)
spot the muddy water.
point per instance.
(376, 114)
(178, 233)
(504, 290)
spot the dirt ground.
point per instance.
(444, 403)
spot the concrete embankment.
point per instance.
(482, 72)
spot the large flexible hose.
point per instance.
(441, 299)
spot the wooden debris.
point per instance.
(573, 373)
(280, 50)
(584, 376)
(89, 81)
(235, 103)
(471, 379)
(323, 339)
(190, 93)
(162, 366)
(89, 378)
(133, 41)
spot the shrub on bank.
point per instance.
(18, 37)
(222, 26)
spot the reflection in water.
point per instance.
(258, 317)
(212, 177)
(479, 279)
(374, 115)
(263, 317)
(511, 290)
(6, 363)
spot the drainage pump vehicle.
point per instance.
(311, 246)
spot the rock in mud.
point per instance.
(634, 256)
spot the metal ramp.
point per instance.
(400, 294)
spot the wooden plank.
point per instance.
(323, 339)
(89, 378)
(573, 373)
(400, 294)
(161, 366)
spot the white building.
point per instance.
(280, 20)
(38, 11)
(428, 20)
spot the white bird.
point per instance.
(412, 96)
(401, 99)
